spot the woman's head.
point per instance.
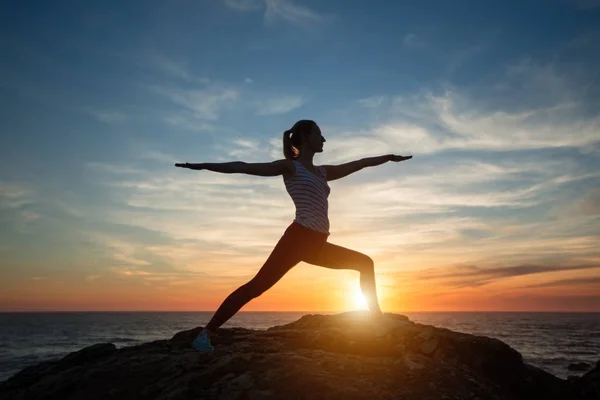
(305, 135)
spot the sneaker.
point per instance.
(202, 342)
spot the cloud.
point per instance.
(105, 115)
(553, 114)
(588, 204)
(567, 282)
(372, 102)
(206, 103)
(452, 200)
(278, 105)
(190, 205)
(15, 195)
(473, 276)
(278, 10)
(188, 121)
(244, 5)
(170, 67)
(122, 252)
(16, 200)
(113, 168)
(290, 12)
(177, 69)
(243, 147)
(412, 40)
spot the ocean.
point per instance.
(550, 341)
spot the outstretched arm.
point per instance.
(274, 168)
(339, 171)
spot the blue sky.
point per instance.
(498, 102)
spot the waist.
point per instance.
(297, 227)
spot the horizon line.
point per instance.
(294, 311)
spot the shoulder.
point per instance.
(288, 167)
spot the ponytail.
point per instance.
(292, 138)
(289, 151)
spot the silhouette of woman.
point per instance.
(305, 239)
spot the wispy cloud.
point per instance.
(595, 281)
(177, 69)
(243, 148)
(412, 40)
(588, 204)
(107, 116)
(278, 105)
(471, 276)
(166, 67)
(15, 195)
(244, 5)
(113, 168)
(123, 252)
(16, 200)
(188, 121)
(278, 10)
(290, 12)
(555, 117)
(205, 103)
(372, 102)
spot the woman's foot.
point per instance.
(202, 342)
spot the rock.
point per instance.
(588, 385)
(429, 346)
(317, 356)
(412, 364)
(88, 354)
(580, 366)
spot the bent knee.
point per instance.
(366, 264)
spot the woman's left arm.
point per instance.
(339, 171)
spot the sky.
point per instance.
(497, 102)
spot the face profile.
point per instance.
(315, 139)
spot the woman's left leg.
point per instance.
(338, 257)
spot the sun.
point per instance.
(358, 300)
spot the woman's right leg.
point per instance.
(284, 257)
(338, 257)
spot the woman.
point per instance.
(306, 238)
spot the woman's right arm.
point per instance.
(274, 168)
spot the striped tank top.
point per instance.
(309, 194)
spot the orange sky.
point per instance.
(311, 288)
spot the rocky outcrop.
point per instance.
(588, 386)
(343, 356)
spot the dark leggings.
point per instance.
(299, 243)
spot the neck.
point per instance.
(306, 157)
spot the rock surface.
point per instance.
(580, 366)
(342, 356)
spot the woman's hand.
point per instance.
(396, 158)
(190, 166)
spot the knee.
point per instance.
(367, 264)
